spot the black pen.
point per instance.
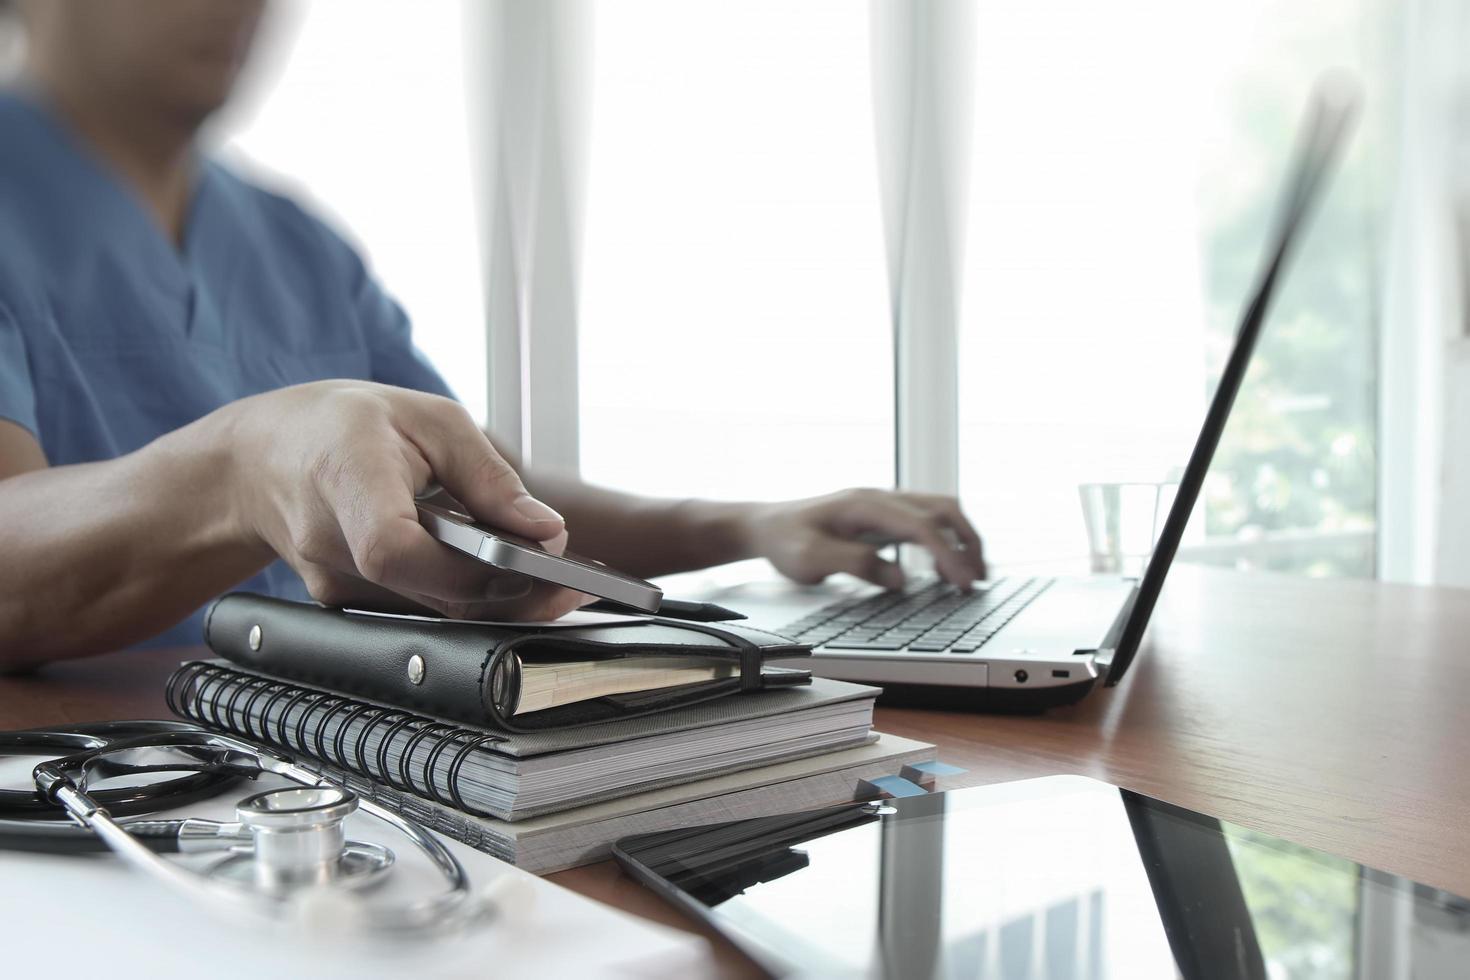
(694, 612)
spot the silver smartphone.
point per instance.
(516, 554)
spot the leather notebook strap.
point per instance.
(750, 653)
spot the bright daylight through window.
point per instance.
(364, 107)
(1117, 224)
(735, 329)
(734, 308)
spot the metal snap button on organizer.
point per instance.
(298, 841)
(415, 669)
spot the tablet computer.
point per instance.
(1056, 877)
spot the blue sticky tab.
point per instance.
(935, 768)
(896, 786)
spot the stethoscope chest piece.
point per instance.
(298, 842)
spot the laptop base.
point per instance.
(987, 700)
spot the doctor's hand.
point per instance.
(326, 476)
(808, 540)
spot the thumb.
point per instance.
(829, 555)
(468, 466)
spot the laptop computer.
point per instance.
(1032, 643)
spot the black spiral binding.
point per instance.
(337, 750)
(317, 736)
(309, 700)
(247, 720)
(382, 755)
(433, 761)
(269, 706)
(211, 715)
(459, 757)
(235, 696)
(372, 716)
(413, 743)
(298, 719)
(173, 692)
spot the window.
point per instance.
(362, 111)
(735, 335)
(735, 339)
(1294, 487)
(1120, 206)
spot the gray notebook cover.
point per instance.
(586, 834)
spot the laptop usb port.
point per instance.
(1061, 673)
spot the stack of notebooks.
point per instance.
(541, 745)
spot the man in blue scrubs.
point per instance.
(202, 387)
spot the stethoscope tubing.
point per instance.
(68, 837)
(74, 820)
(30, 807)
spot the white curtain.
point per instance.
(1424, 413)
(529, 61)
(922, 56)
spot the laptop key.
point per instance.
(864, 645)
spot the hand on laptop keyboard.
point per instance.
(808, 540)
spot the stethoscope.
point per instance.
(285, 858)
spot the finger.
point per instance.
(948, 510)
(373, 505)
(829, 555)
(556, 545)
(903, 521)
(542, 603)
(421, 477)
(334, 588)
(465, 462)
(545, 603)
(532, 601)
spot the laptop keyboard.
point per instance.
(926, 617)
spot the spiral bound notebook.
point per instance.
(572, 838)
(511, 776)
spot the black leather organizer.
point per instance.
(457, 669)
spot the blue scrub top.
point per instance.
(110, 336)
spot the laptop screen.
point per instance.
(1329, 118)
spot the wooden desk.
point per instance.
(1335, 714)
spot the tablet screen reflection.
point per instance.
(1055, 878)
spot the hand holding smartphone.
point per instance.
(441, 517)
